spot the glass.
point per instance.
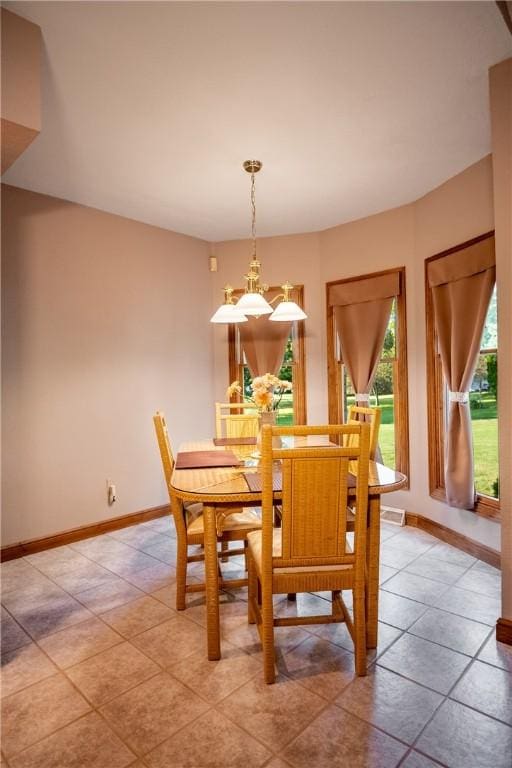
(285, 408)
(483, 402)
(382, 394)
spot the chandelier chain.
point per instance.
(253, 207)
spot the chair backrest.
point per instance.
(315, 484)
(164, 445)
(177, 508)
(244, 423)
(372, 416)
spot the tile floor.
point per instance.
(99, 670)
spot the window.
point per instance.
(292, 408)
(483, 400)
(389, 388)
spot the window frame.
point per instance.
(486, 506)
(335, 377)
(299, 356)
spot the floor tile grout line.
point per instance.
(270, 760)
(379, 727)
(445, 699)
(95, 562)
(75, 686)
(52, 733)
(35, 639)
(448, 647)
(17, 624)
(276, 752)
(480, 712)
(428, 605)
(113, 726)
(450, 584)
(75, 596)
(86, 658)
(146, 629)
(410, 679)
(96, 707)
(469, 706)
(427, 723)
(423, 754)
(426, 552)
(214, 707)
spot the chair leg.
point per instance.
(359, 631)
(181, 576)
(246, 559)
(224, 546)
(267, 632)
(252, 587)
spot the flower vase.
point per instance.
(268, 417)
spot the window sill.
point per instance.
(485, 505)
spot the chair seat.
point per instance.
(192, 512)
(246, 519)
(254, 543)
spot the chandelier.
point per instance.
(253, 302)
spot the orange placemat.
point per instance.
(234, 441)
(206, 459)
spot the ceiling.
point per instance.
(149, 109)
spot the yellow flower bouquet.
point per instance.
(267, 391)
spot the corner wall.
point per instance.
(21, 85)
(500, 81)
(99, 333)
(457, 211)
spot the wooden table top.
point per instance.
(228, 484)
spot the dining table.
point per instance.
(223, 490)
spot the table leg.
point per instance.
(212, 582)
(372, 570)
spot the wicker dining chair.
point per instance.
(310, 551)
(244, 423)
(359, 413)
(189, 523)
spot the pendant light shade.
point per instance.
(287, 311)
(228, 313)
(253, 304)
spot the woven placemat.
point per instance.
(206, 459)
(253, 480)
(234, 441)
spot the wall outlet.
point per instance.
(111, 493)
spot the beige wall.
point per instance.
(456, 211)
(98, 334)
(501, 121)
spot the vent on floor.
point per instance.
(392, 515)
